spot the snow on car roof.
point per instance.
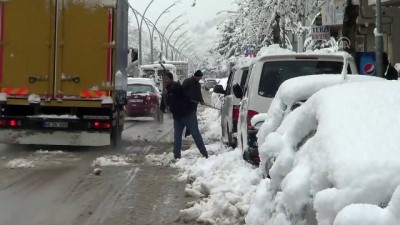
(300, 89)
(276, 52)
(137, 80)
(353, 157)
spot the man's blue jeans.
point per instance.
(191, 124)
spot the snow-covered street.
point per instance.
(65, 185)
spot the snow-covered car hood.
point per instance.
(339, 153)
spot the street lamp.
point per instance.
(140, 32)
(169, 38)
(176, 41)
(155, 24)
(183, 43)
(173, 21)
(182, 47)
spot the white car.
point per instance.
(230, 104)
(338, 159)
(267, 74)
(156, 72)
(292, 94)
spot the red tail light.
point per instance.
(235, 112)
(101, 125)
(96, 124)
(10, 123)
(250, 115)
(13, 123)
(107, 125)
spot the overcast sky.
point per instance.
(201, 19)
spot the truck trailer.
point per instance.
(63, 71)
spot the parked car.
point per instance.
(267, 74)
(342, 166)
(144, 98)
(230, 104)
(209, 83)
(292, 94)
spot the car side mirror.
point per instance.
(218, 89)
(237, 91)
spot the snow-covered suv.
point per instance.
(267, 74)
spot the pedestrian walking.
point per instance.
(183, 114)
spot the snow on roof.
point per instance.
(273, 50)
(158, 66)
(353, 157)
(242, 62)
(276, 51)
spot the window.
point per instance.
(139, 88)
(244, 78)
(275, 73)
(148, 73)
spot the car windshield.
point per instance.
(211, 82)
(139, 88)
(148, 73)
(275, 73)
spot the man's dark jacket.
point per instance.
(192, 91)
(176, 101)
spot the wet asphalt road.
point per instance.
(61, 189)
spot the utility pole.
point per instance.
(378, 40)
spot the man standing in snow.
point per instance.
(183, 114)
(192, 91)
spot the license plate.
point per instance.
(136, 100)
(55, 124)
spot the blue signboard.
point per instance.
(366, 63)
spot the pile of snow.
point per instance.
(20, 163)
(164, 159)
(274, 49)
(112, 160)
(210, 125)
(337, 154)
(57, 152)
(223, 183)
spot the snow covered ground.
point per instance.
(337, 161)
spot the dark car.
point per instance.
(143, 98)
